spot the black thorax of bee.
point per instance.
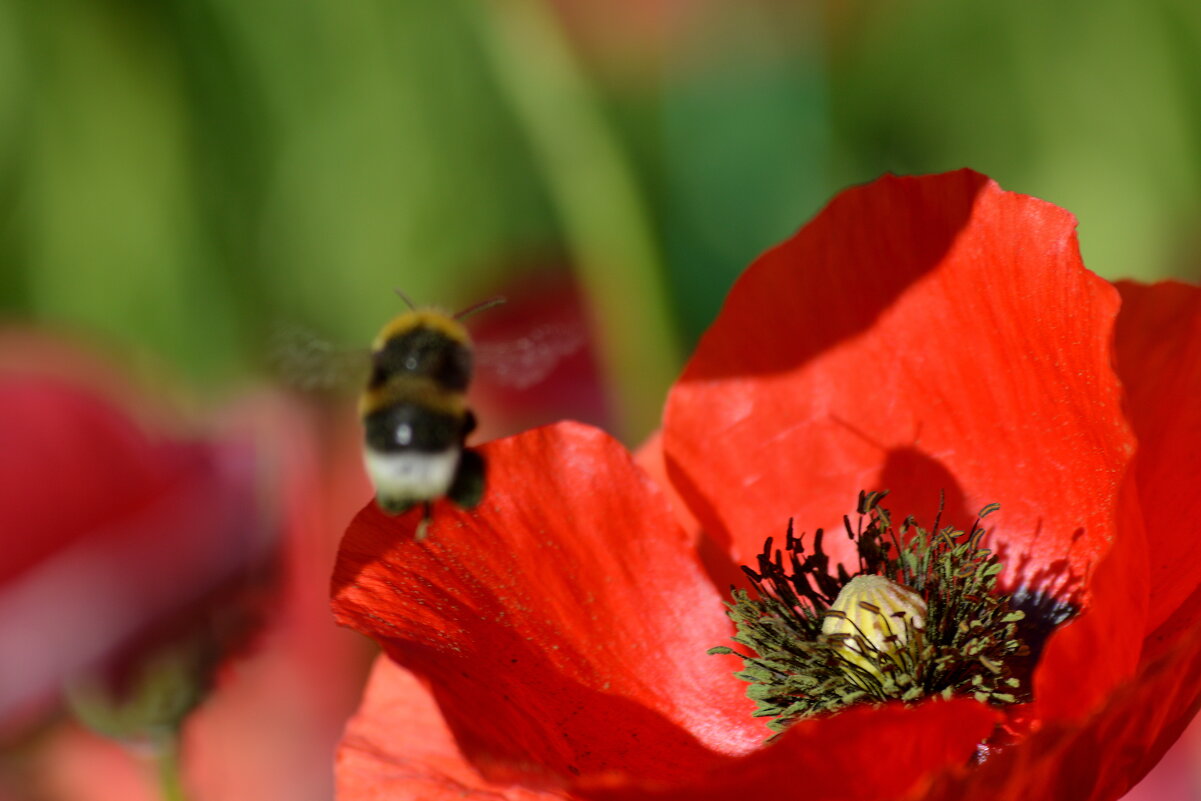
(415, 399)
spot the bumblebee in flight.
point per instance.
(415, 414)
(412, 386)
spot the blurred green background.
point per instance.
(178, 177)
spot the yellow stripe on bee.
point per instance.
(419, 390)
(427, 318)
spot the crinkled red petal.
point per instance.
(1158, 343)
(398, 747)
(563, 624)
(1106, 755)
(862, 754)
(921, 335)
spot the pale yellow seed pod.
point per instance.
(884, 629)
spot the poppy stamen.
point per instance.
(921, 617)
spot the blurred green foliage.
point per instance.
(1094, 106)
(178, 177)
(189, 173)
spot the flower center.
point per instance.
(921, 617)
(873, 615)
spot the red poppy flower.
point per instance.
(926, 335)
(271, 721)
(117, 531)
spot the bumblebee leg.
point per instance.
(468, 487)
(392, 506)
(427, 514)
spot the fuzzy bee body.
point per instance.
(415, 415)
(412, 385)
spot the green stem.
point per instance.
(596, 194)
(170, 778)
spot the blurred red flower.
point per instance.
(922, 335)
(535, 358)
(119, 530)
(99, 470)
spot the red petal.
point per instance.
(399, 747)
(563, 624)
(921, 334)
(716, 559)
(82, 766)
(1088, 656)
(862, 754)
(649, 456)
(1108, 754)
(276, 714)
(73, 464)
(1158, 339)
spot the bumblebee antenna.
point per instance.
(479, 307)
(408, 301)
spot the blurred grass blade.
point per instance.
(599, 202)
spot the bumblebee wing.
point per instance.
(523, 362)
(307, 362)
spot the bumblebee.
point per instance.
(415, 414)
